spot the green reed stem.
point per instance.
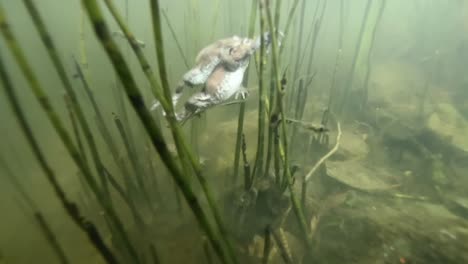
(75, 128)
(120, 190)
(70, 207)
(300, 59)
(292, 11)
(342, 25)
(207, 251)
(299, 51)
(282, 247)
(271, 129)
(313, 36)
(136, 99)
(155, 259)
(299, 104)
(259, 159)
(154, 179)
(105, 133)
(49, 235)
(40, 95)
(277, 13)
(266, 246)
(180, 142)
(240, 121)
(350, 78)
(333, 91)
(17, 185)
(247, 178)
(179, 47)
(369, 56)
(164, 98)
(318, 26)
(155, 86)
(132, 155)
(53, 54)
(287, 172)
(237, 153)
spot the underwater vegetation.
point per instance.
(311, 131)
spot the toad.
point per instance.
(221, 67)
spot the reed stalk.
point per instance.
(317, 27)
(299, 49)
(333, 91)
(351, 74)
(300, 59)
(288, 23)
(105, 133)
(300, 103)
(369, 56)
(53, 54)
(207, 251)
(155, 259)
(271, 148)
(70, 207)
(18, 54)
(154, 179)
(248, 181)
(313, 35)
(75, 128)
(277, 13)
(284, 144)
(282, 247)
(266, 246)
(174, 36)
(342, 25)
(132, 155)
(155, 134)
(240, 121)
(120, 190)
(16, 183)
(86, 190)
(180, 142)
(83, 57)
(259, 159)
(276, 153)
(47, 232)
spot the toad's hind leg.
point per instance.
(193, 77)
(195, 105)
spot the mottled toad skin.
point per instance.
(226, 52)
(221, 67)
(223, 82)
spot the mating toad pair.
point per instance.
(220, 67)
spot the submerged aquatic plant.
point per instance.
(100, 184)
(280, 112)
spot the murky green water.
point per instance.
(375, 113)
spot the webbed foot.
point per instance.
(242, 93)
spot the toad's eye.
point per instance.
(231, 50)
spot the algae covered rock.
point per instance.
(450, 126)
(356, 174)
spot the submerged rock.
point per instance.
(359, 176)
(449, 126)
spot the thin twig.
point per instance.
(328, 155)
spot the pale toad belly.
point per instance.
(230, 84)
